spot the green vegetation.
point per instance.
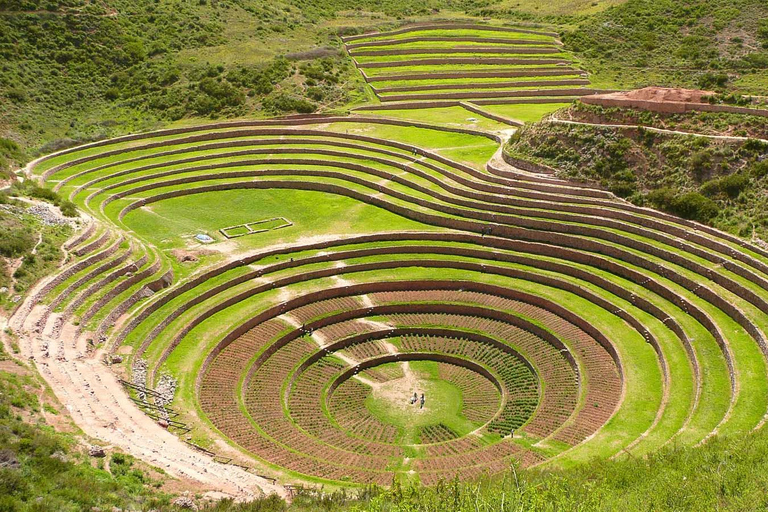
(170, 224)
(29, 246)
(10, 155)
(720, 475)
(705, 123)
(711, 44)
(41, 469)
(146, 63)
(670, 351)
(714, 181)
(39, 462)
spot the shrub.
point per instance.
(68, 209)
(760, 169)
(691, 205)
(285, 103)
(315, 93)
(713, 80)
(16, 95)
(15, 242)
(756, 60)
(623, 189)
(701, 163)
(731, 186)
(762, 31)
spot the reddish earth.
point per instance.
(662, 94)
(657, 99)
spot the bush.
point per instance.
(692, 205)
(762, 32)
(45, 194)
(713, 80)
(701, 162)
(16, 95)
(760, 169)
(68, 209)
(315, 93)
(285, 103)
(216, 95)
(15, 242)
(730, 186)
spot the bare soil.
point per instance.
(661, 95)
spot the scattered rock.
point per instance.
(166, 387)
(217, 496)
(184, 501)
(116, 359)
(185, 256)
(48, 216)
(8, 460)
(59, 455)
(163, 423)
(139, 376)
(96, 451)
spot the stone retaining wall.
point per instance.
(470, 49)
(518, 233)
(448, 25)
(206, 135)
(501, 73)
(458, 61)
(465, 39)
(673, 107)
(482, 85)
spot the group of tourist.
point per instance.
(415, 398)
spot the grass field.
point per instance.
(609, 296)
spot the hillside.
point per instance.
(713, 180)
(79, 71)
(708, 44)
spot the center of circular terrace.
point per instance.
(424, 404)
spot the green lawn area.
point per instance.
(452, 44)
(475, 80)
(446, 116)
(527, 113)
(457, 53)
(500, 91)
(443, 403)
(172, 223)
(456, 33)
(433, 68)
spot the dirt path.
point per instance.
(656, 130)
(97, 403)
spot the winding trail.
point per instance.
(655, 130)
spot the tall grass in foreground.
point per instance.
(723, 474)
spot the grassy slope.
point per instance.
(700, 43)
(43, 469)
